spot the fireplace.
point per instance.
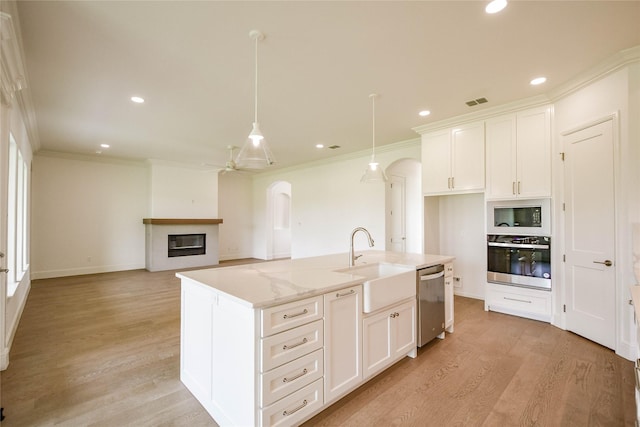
(187, 244)
(177, 243)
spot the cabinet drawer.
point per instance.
(281, 381)
(284, 347)
(295, 407)
(287, 316)
(524, 302)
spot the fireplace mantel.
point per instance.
(181, 221)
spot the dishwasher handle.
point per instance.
(431, 276)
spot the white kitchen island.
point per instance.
(274, 343)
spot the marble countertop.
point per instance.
(277, 282)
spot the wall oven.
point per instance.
(519, 217)
(519, 260)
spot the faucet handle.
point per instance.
(357, 256)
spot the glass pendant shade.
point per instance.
(374, 173)
(255, 154)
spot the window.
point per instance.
(17, 216)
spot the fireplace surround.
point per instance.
(176, 243)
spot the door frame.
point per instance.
(560, 292)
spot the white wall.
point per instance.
(87, 215)
(182, 192)
(235, 207)
(328, 201)
(617, 93)
(462, 234)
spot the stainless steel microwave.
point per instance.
(519, 217)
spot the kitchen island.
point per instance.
(275, 343)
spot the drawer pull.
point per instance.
(295, 377)
(338, 295)
(289, 316)
(393, 315)
(294, 410)
(516, 299)
(289, 347)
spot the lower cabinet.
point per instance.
(530, 303)
(388, 335)
(342, 342)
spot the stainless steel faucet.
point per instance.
(352, 256)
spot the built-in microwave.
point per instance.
(519, 217)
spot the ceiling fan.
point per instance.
(230, 165)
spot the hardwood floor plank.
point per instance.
(103, 350)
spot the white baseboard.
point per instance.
(4, 359)
(467, 295)
(79, 271)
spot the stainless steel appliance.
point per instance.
(519, 260)
(430, 290)
(519, 217)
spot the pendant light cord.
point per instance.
(256, 82)
(373, 130)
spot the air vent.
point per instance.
(476, 102)
(333, 147)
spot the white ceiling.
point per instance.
(193, 62)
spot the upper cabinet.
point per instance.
(453, 160)
(519, 155)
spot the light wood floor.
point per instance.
(103, 350)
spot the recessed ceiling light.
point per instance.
(137, 99)
(424, 113)
(495, 6)
(538, 81)
(319, 145)
(104, 145)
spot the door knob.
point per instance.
(4, 270)
(606, 262)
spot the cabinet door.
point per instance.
(534, 153)
(501, 157)
(404, 329)
(376, 335)
(342, 341)
(467, 154)
(436, 162)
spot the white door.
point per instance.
(397, 214)
(590, 233)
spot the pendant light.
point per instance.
(255, 153)
(374, 172)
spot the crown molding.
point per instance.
(409, 143)
(603, 69)
(610, 65)
(523, 104)
(90, 158)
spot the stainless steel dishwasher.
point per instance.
(430, 291)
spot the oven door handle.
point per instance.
(432, 276)
(517, 245)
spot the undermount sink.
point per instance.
(384, 284)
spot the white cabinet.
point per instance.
(342, 341)
(388, 335)
(453, 160)
(519, 155)
(448, 297)
(523, 302)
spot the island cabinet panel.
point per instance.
(388, 335)
(448, 297)
(342, 341)
(218, 347)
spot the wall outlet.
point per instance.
(457, 281)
